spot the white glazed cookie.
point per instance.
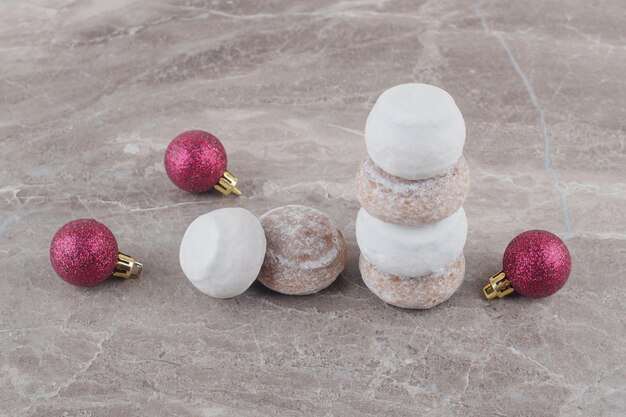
(415, 131)
(397, 200)
(222, 252)
(411, 251)
(416, 293)
(305, 250)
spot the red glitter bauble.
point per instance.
(84, 252)
(195, 160)
(537, 263)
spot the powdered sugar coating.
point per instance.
(411, 251)
(398, 200)
(222, 252)
(305, 253)
(415, 131)
(422, 292)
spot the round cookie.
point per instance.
(397, 200)
(415, 131)
(222, 252)
(305, 250)
(411, 251)
(415, 293)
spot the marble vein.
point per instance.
(547, 159)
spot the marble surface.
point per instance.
(91, 92)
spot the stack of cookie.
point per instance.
(411, 228)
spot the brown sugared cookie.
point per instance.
(305, 250)
(415, 293)
(397, 200)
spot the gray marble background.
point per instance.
(91, 93)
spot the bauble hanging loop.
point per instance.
(196, 161)
(84, 252)
(536, 264)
